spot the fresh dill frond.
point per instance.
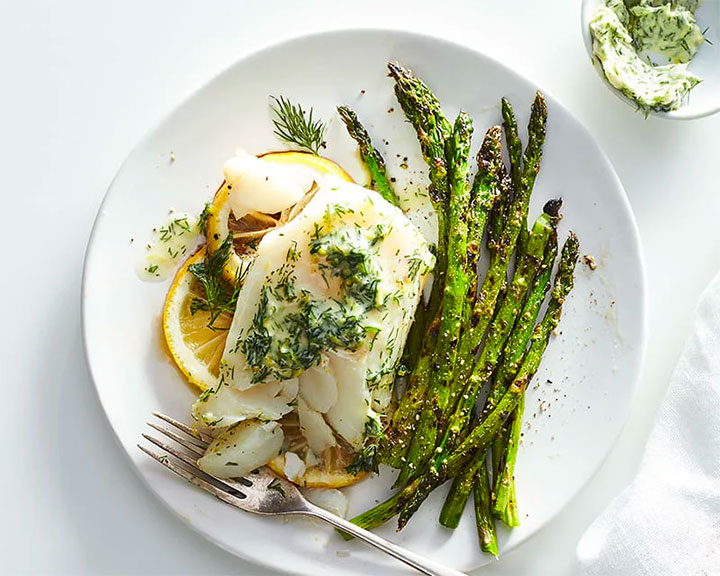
(203, 219)
(366, 459)
(295, 127)
(220, 295)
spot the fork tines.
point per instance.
(192, 444)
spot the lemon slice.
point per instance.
(250, 229)
(196, 349)
(329, 472)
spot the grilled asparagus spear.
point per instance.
(482, 435)
(371, 158)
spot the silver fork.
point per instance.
(263, 492)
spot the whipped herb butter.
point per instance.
(622, 38)
(668, 30)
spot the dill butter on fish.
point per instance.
(324, 312)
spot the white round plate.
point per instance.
(704, 99)
(580, 398)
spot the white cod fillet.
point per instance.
(330, 296)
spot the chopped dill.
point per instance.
(299, 337)
(176, 227)
(292, 254)
(415, 264)
(348, 259)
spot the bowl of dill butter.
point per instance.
(659, 56)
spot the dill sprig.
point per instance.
(295, 127)
(204, 217)
(366, 459)
(220, 295)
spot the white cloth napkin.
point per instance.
(667, 522)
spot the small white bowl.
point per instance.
(704, 99)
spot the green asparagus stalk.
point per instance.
(404, 419)
(536, 140)
(512, 516)
(485, 186)
(460, 490)
(497, 273)
(422, 109)
(504, 448)
(483, 517)
(501, 328)
(514, 350)
(499, 211)
(517, 343)
(371, 158)
(512, 142)
(532, 155)
(496, 225)
(564, 281)
(512, 357)
(381, 513)
(480, 438)
(507, 442)
(484, 195)
(378, 515)
(379, 181)
(414, 341)
(453, 302)
(514, 148)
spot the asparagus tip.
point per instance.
(539, 105)
(348, 117)
(552, 207)
(396, 70)
(572, 241)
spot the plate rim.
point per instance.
(402, 33)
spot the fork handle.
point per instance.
(420, 563)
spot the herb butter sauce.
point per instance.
(624, 39)
(667, 30)
(169, 245)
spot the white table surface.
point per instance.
(84, 80)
